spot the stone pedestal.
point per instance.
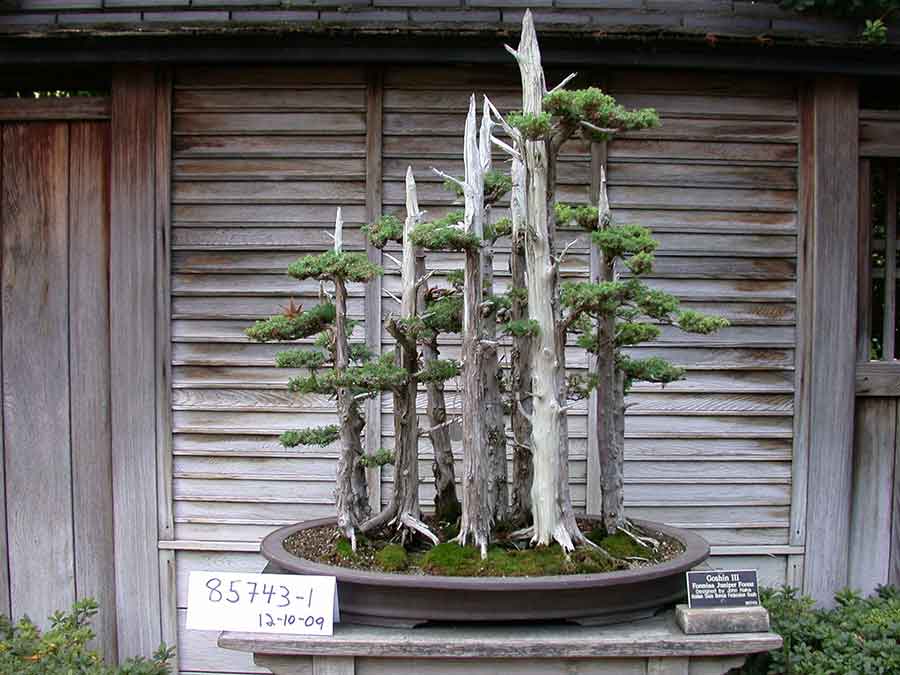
(651, 647)
(707, 620)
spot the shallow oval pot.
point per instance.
(382, 599)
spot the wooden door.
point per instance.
(54, 317)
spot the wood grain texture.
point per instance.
(879, 133)
(890, 262)
(894, 572)
(34, 109)
(4, 550)
(89, 373)
(133, 364)
(833, 348)
(878, 378)
(35, 299)
(873, 473)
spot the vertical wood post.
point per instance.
(4, 550)
(133, 357)
(864, 268)
(828, 294)
(374, 190)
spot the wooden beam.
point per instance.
(879, 133)
(878, 378)
(873, 473)
(831, 260)
(162, 233)
(864, 267)
(89, 373)
(805, 239)
(374, 195)
(133, 363)
(35, 109)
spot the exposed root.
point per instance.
(646, 541)
(408, 520)
(524, 533)
(594, 547)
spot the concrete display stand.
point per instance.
(651, 647)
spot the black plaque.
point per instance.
(722, 588)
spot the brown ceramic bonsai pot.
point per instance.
(382, 599)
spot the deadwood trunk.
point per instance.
(554, 519)
(477, 502)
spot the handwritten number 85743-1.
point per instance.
(218, 594)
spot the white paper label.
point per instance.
(262, 603)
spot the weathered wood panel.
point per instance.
(35, 305)
(90, 375)
(873, 471)
(4, 537)
(833, 265)
(133, 358)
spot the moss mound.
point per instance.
(392, 558)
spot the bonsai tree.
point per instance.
(539, 313)
(350, 375)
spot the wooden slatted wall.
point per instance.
(263, 155)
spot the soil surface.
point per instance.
(382, 552)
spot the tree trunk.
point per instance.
(554, 518)
(477, 502)
(610, 396)
(446, 503)
(494, 420)
(351, 498)
(404, 507)
(520, 358)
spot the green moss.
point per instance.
(334, 264)
(450, 559)
(343, 549)
(620, 545)
(392, 558)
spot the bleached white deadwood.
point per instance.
(477, 501)
(562, 85)
(351, 495)
(553, 516)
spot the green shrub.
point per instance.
(860, 635)
(63, 650)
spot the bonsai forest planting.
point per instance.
(512, 380)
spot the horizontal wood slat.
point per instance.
(49, 108)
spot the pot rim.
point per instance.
(696, 550)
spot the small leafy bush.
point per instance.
(63, 650)
(860, 635)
